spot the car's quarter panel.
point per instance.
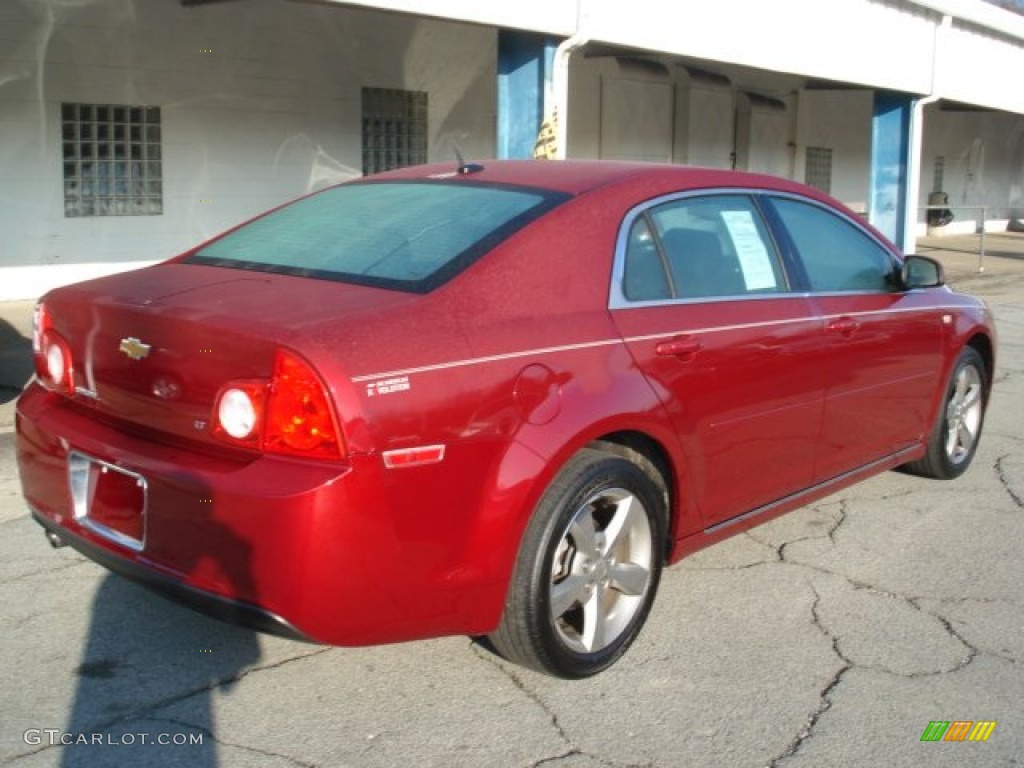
(521, 324)
(746, 401)
(541, 372)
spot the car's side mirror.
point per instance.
(921, 272)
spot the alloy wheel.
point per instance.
(601, 570)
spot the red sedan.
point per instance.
(489, 400)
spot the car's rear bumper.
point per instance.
(346, 553)
(226, 609)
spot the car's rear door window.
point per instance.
(406, 235)
(838, 255)
(698, 248)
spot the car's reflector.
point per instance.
(412, 457)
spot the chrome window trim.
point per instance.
(617, 298)
(648, 303)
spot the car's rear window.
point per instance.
(405, 235)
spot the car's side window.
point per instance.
(701, 247)
(645, 277)
(837, 254)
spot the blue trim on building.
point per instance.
(890, 160)
(525, 64)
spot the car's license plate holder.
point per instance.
(108, 500)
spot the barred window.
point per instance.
(394, 129)
(112, 160)
(818, 168)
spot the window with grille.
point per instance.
(394, 129)
(112, 160)
(818, 168)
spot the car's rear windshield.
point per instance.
(404, 235)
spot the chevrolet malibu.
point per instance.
(489, 399)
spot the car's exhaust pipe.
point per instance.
(55, 541)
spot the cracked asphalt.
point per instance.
(829, 637)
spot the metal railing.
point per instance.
(979, 228)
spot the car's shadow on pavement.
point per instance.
(150, 670)
(15, 361)
(147, 680)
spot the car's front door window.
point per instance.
(837, 255)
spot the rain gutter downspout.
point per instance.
(909, 244)
(560, 89)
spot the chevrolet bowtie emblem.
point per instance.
(134, 348)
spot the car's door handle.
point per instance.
(682, 347)
(845, 326)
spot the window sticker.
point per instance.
(750, 249)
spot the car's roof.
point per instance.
(578, 176)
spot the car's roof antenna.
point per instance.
(464, 167)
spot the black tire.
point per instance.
(578, 596)
(957, 430)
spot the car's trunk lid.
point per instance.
(152, 348)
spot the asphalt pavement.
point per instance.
(833, 636)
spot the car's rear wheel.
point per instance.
(588, 568)
(955, 435)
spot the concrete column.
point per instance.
(525, 65)
(890, 159)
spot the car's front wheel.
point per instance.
(955, 435)
(588, 568)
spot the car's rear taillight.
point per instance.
(53, 363)
(288, 414)
(299, 417)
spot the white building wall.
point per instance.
(710, 124)
(883, 44)
(261, 99)
(765, 135)
(584, 124)
(627, 109)
(636, 118)
(555, 17)
(981, 67)
(621, 110)
(841, 121)
(260, 102)
(983, 165)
